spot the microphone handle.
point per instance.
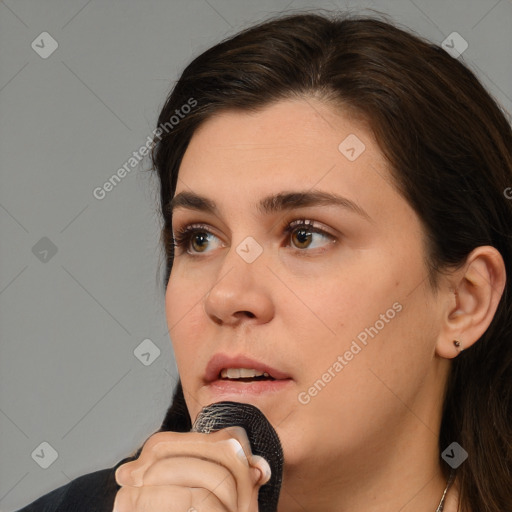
(262, 437)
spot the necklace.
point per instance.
(448, 484)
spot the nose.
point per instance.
(241, 292)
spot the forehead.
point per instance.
(239, 156)
(289, 130)
(282, 129)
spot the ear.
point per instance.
(473, 294)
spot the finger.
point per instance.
(195, 473)
(228, 452)
(221, 447)
(231, 481)
(237, 495)
(192, 444)
(239, 434)
(264, 468)
(123, 473)
(166, 499)
(248, 483)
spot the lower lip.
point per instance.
(256, 387)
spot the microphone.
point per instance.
(263, 439)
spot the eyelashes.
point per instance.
(183, 236)
(305, 230)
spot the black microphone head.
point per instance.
(262, 437)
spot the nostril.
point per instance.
(241, 314)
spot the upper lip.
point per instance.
(220, 361)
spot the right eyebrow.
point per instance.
(270, 204)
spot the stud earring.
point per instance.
(458, 344)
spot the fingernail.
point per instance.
(264, 467)
(237, 447)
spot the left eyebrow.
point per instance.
(275, 203)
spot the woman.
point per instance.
(336, 214)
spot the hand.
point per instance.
(193, 472)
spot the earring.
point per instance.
(457, 343)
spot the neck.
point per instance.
(402, 472)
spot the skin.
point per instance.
(368, 441)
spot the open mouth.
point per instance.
(247, 379)
(243, 381)
(243, 375)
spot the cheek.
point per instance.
(182, 299)
(345, 402)
(350, 300)
(183, 314)
(379, 320)
(397, 348)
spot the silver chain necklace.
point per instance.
(448, 484)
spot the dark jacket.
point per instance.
(93, 492)
(96, 492)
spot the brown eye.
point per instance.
(193, 239)
(302, 234)
(199, 241)
(302, 237)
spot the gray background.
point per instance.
(70, 321)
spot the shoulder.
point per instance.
(93, 491)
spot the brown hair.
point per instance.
(450, 151)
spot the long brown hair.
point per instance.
(449, 146)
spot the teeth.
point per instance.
(240, 373)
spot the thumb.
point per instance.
(262, 468)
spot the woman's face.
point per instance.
(343, 307)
